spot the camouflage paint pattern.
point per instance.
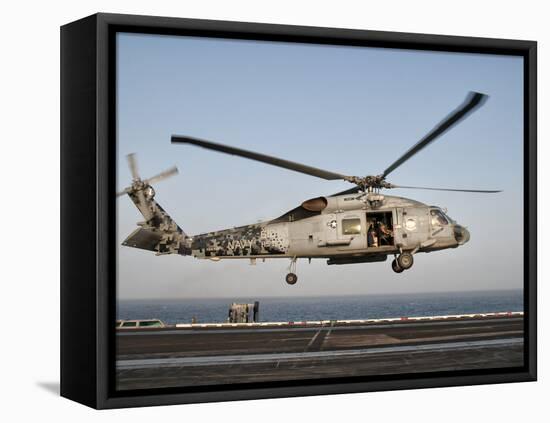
(260, 239)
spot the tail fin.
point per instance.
(159, 232)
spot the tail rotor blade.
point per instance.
(132, 164)
(125, 191)
(161, 176)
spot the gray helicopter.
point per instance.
(359, 225)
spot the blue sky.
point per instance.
(351, 110)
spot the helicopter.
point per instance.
(358, 225)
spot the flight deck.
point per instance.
(223, 353)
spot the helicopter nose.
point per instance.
(462, 235)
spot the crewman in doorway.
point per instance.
(385, 234)
(372, 237)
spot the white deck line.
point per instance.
(328, 322)
(271, 357)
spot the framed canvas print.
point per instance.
(256, 211)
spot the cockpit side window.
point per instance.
(351, 226)
(438, 218)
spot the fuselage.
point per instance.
(342, 228)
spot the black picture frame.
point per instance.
(88, 208)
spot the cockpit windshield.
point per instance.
(438, 218)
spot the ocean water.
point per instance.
(295, 309)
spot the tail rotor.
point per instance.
(159, 232)
(139, 185)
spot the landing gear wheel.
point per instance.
(405, 260)
(291, 278)
(396, 267)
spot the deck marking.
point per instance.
(411, 324)
(271, 357)
(313, 339)
(325, 339)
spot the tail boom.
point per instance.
(159, 232)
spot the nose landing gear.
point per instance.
(291, 277)
(402, 262)
(395, 267)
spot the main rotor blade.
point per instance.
(132, 164)
(353, 190)
(472, 102)
(482, 191)
(163, 175)
(286, 164)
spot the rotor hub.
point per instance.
(369, 182)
